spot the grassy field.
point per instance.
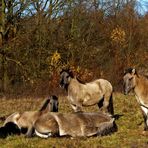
(129, 135)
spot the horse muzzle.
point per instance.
(61, 85)
(126, 91)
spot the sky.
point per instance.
(143, 6)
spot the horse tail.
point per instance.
(111, 107)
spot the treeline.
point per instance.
(97, 38)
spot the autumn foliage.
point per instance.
(95, 39)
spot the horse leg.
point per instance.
(145, 117)
(110, 106)
(100, 104)
(107, 104)
(30, 132)
(145, 122)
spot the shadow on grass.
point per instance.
(117, 116)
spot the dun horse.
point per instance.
(87, 94)
(27, 119)
(76, 124)
(138, 83)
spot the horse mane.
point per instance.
(80, 81)
(129, 70)
(46, 102)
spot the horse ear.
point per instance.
(134, 71)
(124, 71)
(71, 73)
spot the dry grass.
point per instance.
(130, 126)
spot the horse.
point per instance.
(80, 124)
(26, 120)
(139, 84)
(87, 94)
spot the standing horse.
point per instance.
(27, 119)
(87, 94)
(80, 124)
(138, 83)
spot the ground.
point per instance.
(129, 135)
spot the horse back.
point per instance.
(81, 124)
(104, 86)
(28, 118)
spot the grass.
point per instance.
(129, 135)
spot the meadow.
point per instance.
(129, 135)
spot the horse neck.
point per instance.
(75, 88)
(74, 84)
(141, 86)
(77, 81)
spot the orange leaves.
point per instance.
(118, 36)
(55, 59)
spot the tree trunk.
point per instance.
(2, 48)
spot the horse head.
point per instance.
(65, 77)
(54, 104)
(129, 80)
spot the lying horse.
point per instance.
(78, 124)
(27, 119)
(88, 94)
(138, 83)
